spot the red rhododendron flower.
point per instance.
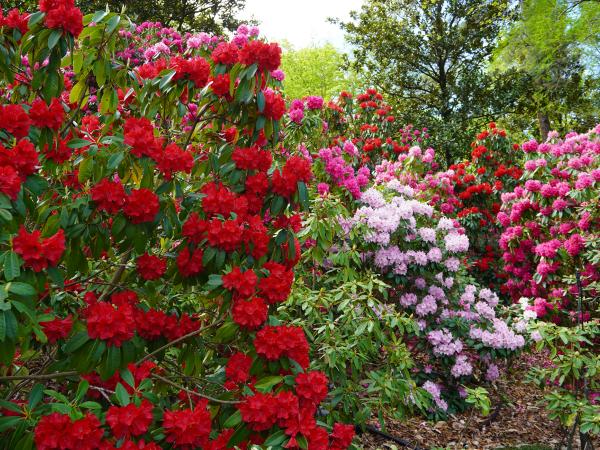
(250, 313)
(141, 205)
(257, 184)
(39, 253)
(129, 420)
(42, 115)
(56, 329)
(242, 284)
(114, 325)
(252, 158)
(226, 235)
(194, 228)
(14, 120)
(218, 199)
(274, 105)
(14, 19)
(151, 267)
(58, 151)
(273, 342)
(238, 367)
(108, 195)
(57, 432)
(285, 182)
(190, 263)
(62, 14)
(312, 386)
(149, 324)
(259, 411)
(266, 56)
(225, 53)
(139, 134)
(277, 286)
(10, 182)
(174, 159)
(195, 69)
(341, 436)
(22, 157)
(188, 428)
(220, 85)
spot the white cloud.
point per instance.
(301, 22)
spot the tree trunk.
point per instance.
(544, 123)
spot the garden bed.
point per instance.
(519, 421)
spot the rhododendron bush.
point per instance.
(147, 234)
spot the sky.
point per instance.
(301, 22)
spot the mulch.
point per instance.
(521, 419)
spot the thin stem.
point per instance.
(176, 341)
(45, 376)
(118, 274)
(189, 391)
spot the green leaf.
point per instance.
(112, 24)
(164, 81)
(86, 168)
(12, 266)
(78, 143)
(76, 342)
(35, 18)
(122, 395)
(2, 326)
(54, 38)
(36, 395)
(5, 215)
(260, 101)
(9, 422)
(266, 384)
(19, 288)
(233, 420)
(276, 439)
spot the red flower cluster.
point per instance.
(174, 159)
(141, 205)
(58, 151)
(312, 387)
(42, 115)
(220, 85)
(58, 432)
(189, 262)
(188, 428)
(276, 287)
(238, 367)
(151, 267)
(14, 120)
(139, 135)
(274, 105)
(129, 420)
(108, 195)
(62, 14)
(242, 284)
(109, 322)
(14, 19)
(56, 329)
(225, 53)
(39, 253)
(251, 313)
(15, 165)
(274, 342)
(266, 56)
(194, 69)
(285, 181)
(252, 158)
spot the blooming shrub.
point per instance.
(145, 241)
(547, 221)
(461, 338)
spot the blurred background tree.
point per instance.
(316, 70)
(554, 49)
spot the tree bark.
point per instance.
(544, 124)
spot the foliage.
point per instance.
(551, 50)
(315, 71)
(430, 57)
(146, 235)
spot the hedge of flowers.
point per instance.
(548, 219)
(147, 234)
(419, 251)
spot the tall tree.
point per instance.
(211, 16)
(316, 70)
(554, 47)
(430, 55)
